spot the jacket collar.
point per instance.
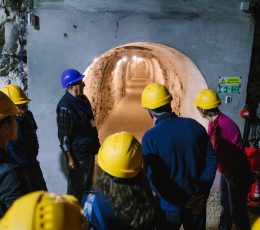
(165, 117)
(214, 123)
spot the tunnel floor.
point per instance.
(128, 115)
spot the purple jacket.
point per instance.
(226, 140)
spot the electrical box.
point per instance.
(34, 20)
(228, 99)
(245, 6)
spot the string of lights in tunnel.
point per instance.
(125, 59)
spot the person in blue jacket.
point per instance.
(122, 197)
(13, 180)
(24, 149)
(179, 161)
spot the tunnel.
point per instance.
(115, 80)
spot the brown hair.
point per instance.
(209, 112)
(8, 120)
(132, 199)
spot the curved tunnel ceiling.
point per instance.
(106, 78)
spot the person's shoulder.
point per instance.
(224, 117)
(225, 121)
(7, 166)
(29, 112)
(193, 126)
(64, 103)
(149, 138)
(149, 133)
(86, 100)
(189, 121)
(30, 116)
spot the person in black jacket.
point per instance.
(122, 198)
(77, 133)
(24, 149)
(13, 181)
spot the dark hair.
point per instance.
(8, 120)
(75, 83)
(132, 199)
(163, 109)
(209, 112)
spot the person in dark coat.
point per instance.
(122, 198)
(13, 179)
(179, 161)
(77, 133)
(24, 149)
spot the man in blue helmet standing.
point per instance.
(77, 133)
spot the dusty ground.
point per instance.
(128, 115)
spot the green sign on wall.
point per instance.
(228, 89)
(229, 81)
(229, 84)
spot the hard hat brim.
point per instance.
(159, 103)
(74, 81)
(124, 174)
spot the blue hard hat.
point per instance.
(69, 77)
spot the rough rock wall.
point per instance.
(13, 53)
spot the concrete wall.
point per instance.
(216, 35)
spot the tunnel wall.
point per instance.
(216, 35)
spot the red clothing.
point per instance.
(226, 140)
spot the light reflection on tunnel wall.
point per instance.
(107, 77)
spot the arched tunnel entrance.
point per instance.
(115, 80)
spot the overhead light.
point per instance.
(124, 59)
(134, 58)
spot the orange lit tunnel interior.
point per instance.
(115, 80)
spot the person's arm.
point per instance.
(210, 166)
(218, 144)
(198, 201)
(65, 122)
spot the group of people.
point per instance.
(161, 183)
(20, 171)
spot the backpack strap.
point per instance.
(98, 213)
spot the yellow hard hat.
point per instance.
(155, 95)
(71, 198)
(43, 211)
(256, 225)
(120, 155)
(207, 99)
(7, 107)
(15, 93)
